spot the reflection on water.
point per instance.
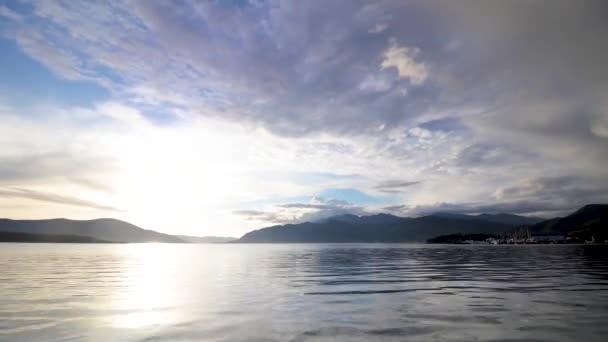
(150, 288)
(303, 292)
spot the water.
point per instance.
(155, 292)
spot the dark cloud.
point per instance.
(52, 198)
(395, 208)
(490, 155)
(570, 189)
(300, 68)
(520, 207)
(548, 196)
(251, 213)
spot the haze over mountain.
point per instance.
(206, 239)
(101, 229)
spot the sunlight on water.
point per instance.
(358, 292)
(151, 281)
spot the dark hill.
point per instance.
(509, 219)
(590, 220)
(46, 238)
(101, 229)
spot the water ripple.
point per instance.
(353, 292)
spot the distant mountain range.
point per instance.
(386, 228)
(501, 218)
(591, 220)
(587, 222)
(106, 230)
(82, 231)
(27, 237)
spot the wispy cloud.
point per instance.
(394, 186)
(9, 13)
(53, 198)
(264, 216)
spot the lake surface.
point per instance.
(300, 292)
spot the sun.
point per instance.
(187, 177)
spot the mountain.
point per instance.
(511, 219)
(46, 238)
(364, 229)
(206, 239)
(589, 221)
(101, 229)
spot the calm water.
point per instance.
(349, 292)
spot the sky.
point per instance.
(220, 117)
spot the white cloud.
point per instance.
(404, 60)
(122, 113)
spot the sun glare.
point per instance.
(152, 282)
(179, 176)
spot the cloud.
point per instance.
(137, 49)
(91, 183)
(394, 186)
(545, 196)
(403, 59)
(60, 61)
(9, 13)
(378, 28)
(490, 103)
(264, 216)
(307, 206)
(316, 209)
(52, 198)
(53, 165)
(238, 62)
(599, 125)
(575, 190)
(319, 203)
(521, 207)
